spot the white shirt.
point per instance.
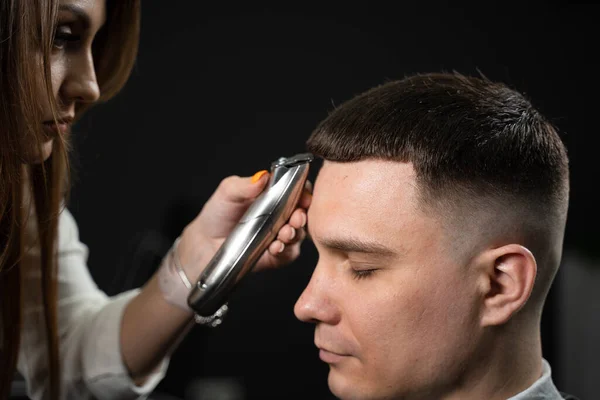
(89, 328)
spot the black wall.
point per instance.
(222, 90)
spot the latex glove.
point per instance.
(204, 235)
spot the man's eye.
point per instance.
(362, 273)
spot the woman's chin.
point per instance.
(47, 150)
(33, 157)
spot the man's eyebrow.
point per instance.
(78, 12)
(355, 245)
(349, 244)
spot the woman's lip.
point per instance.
(61, 127)
(330, 357)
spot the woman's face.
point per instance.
(72, 63)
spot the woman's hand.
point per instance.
(204, 235)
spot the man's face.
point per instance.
(396, 315)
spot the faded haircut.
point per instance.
(476, 147)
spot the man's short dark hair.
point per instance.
(472, 143)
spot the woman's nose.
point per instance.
(81, 84)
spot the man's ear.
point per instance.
(508, 276)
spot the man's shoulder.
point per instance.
(567, 396)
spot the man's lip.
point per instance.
(331, 357)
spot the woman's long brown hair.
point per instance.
(26, 41)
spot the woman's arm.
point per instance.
(119, 347)
(150, 312)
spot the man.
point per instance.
(438, 214)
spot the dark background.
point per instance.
(221, 90)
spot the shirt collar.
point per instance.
(542, 389)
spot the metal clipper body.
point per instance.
(253, 234)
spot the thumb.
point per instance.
(253, 186)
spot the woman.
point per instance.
(57, 58)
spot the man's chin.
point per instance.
(343, 387)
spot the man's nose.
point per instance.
(316, 304)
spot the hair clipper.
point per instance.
(253, 234)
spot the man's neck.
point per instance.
(507, 364)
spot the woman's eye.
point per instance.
(63, 36)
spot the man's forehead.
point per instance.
(367, 179)
(366, 195)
